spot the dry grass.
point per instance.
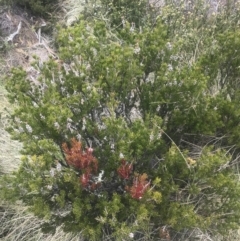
(9, 149)
(73, 9)
(18, 224)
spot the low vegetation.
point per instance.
(131, 130)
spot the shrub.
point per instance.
(42, 8)
(105, 132)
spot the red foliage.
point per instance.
(78, 158)
(139, 187)
(124, 170)
(81, 160)
(84, 179)
(88, 164)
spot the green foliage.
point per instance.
(146, 101)
(36, 7)
(134, 13)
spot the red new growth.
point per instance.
(84, 179)
(81, 160)
(139, 187)
(124, 170)
(78, 158)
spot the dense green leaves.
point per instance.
(38, 8)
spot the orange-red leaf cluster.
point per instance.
(124, 170)
(81, 160)
(85, 179)
(139, 187)
(78, 158)
(84, 161)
